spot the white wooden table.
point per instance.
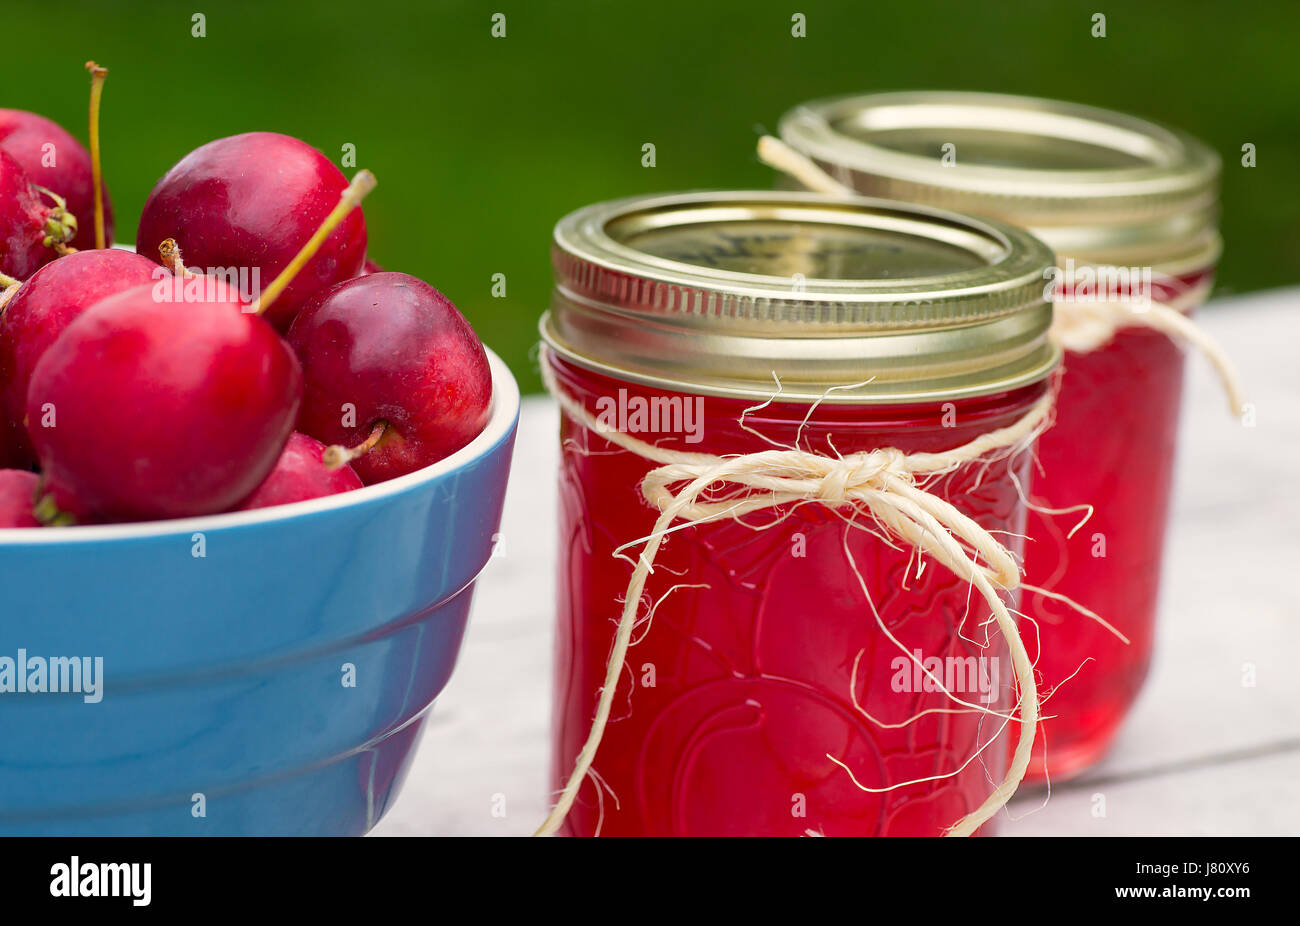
(1202, 753)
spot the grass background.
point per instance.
(480, 144)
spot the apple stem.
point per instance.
(337, 456)
(170, 253)
(97, 75)
(357, 190)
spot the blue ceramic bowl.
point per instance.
(261, 672)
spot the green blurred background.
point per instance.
(481, 143)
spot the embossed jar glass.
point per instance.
(759, 656)
(1104, 190)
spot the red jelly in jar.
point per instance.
(758, 665)
(1130, 208)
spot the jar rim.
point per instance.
(1082, 178)
(901, 302)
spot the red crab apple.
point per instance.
(389, 361)
(55, 160)
(147, 407)
(35, 225)
(17, 496)
(300, 474)
(40, 310)
(251, 201)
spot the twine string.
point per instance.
(887, 484)
(1081, 327)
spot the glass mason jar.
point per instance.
(758, 656)
(1130, 208)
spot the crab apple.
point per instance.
(145, 408)
(301, 473)
(39, 312)
(250, 202)
(17, 497)
(32, 231)
(54, 159)
(388, 358)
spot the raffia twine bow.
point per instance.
(888, 484)
(1077, 325)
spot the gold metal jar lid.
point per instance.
(718, 293)
(1096, 185)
